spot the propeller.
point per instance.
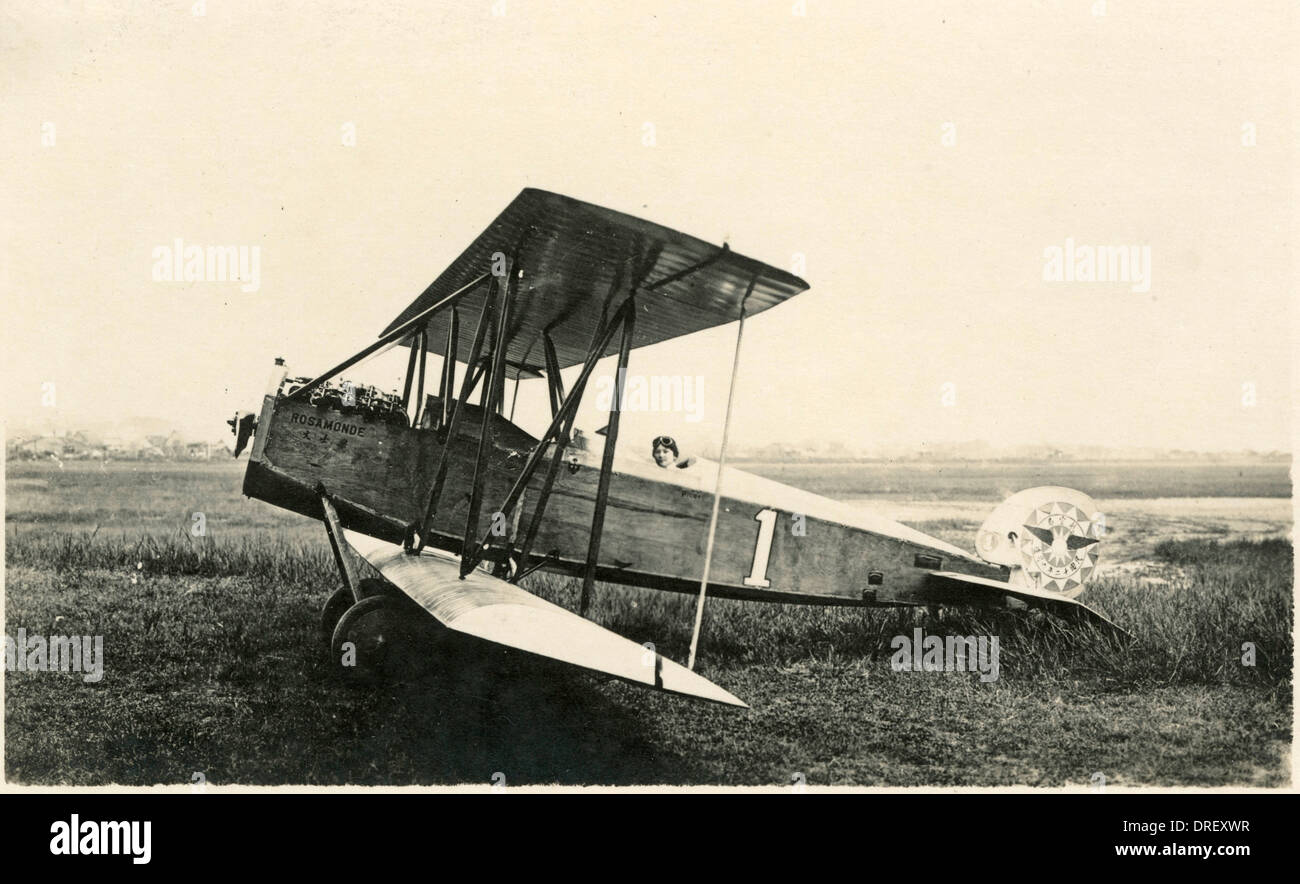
(242, 427)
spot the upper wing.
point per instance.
(964, 585)
(579, 261)
(492, 609)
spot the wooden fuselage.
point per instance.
(773, 542)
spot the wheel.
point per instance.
(334, 609)
(362, 646)
(380, 639)
(342, 599)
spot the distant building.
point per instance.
(41, 448)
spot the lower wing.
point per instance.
(964, 587)
(492, 609)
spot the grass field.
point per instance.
(213, 665)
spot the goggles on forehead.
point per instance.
(663, 441)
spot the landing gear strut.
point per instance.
(368, 627)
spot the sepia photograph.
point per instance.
(793, 396)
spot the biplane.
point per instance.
(454, 504)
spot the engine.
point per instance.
(350, 398)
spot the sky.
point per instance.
(917, 163)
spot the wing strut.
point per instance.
(410, 376)
(558, 431)
(420, 340)
(492, 390)
(447, 384)
(717, 487)
(607, 457)
(440, 474)
(554, 383)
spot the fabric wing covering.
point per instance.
(579, 262)
(494, 610)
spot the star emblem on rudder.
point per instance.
(1059, 547)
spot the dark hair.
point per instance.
(666, 442)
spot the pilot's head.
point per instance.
(665, 451)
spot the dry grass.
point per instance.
(213, 666)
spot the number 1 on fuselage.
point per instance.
(766, 519)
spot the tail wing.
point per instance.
(964, 586)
